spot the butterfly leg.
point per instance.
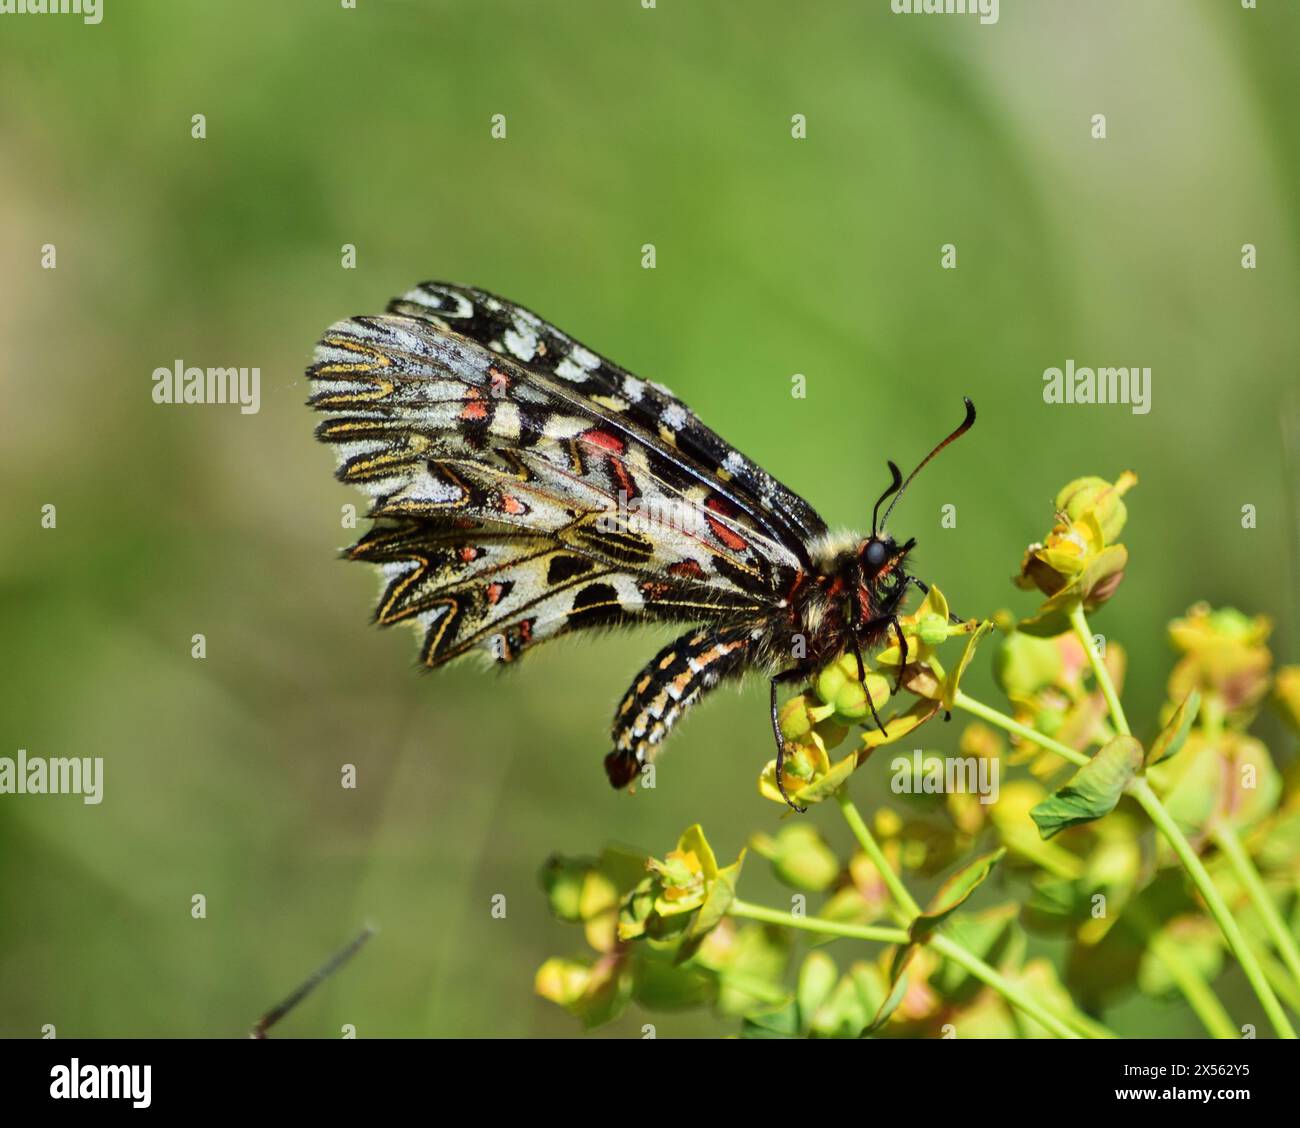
(902, 651)
(862, 677)
(780, 740)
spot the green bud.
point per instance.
(850, 700)
(934, 629)
(794, 719)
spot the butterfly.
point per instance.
(524, 487)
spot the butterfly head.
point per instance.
(879, 554)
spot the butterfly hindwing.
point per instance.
(502, 591)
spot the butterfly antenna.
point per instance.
(327, 969)
(898, 481)
(966, 425)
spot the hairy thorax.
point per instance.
(831, 609)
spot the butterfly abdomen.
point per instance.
(671, 683)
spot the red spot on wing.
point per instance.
(687, 570)
(603, 441)
(474, 412)
(467, 553)
(611, 448)
(513, 506)
(724, 533)
(494, 593)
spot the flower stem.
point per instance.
(1226, 839)
(1011, 725)
(872, 849)
(984, 972)
(1140, 789)
(1199, 994)
(739, 908)
(992, 978)
(1083, 633)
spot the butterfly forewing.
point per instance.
(517, 332)
(511, 507)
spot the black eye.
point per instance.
(875, 554)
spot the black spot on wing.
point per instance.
(595, 604)
(563, 567)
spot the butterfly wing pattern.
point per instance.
(523, 486)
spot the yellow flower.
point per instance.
(1224, 657)
(1080, 561)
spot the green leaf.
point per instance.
(953, 892)
(1093, 791)
(896, 993)
(1174, 734)
(950, 684)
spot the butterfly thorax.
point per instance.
(847, 601)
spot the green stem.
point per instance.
(982, 971)
(1140, 789)
(872, 849)
(1011, 725)
(739, 908)
(1287, 991)
(992, 978)
(1225, 838)
(1083, 633)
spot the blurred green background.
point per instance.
(626, 126)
